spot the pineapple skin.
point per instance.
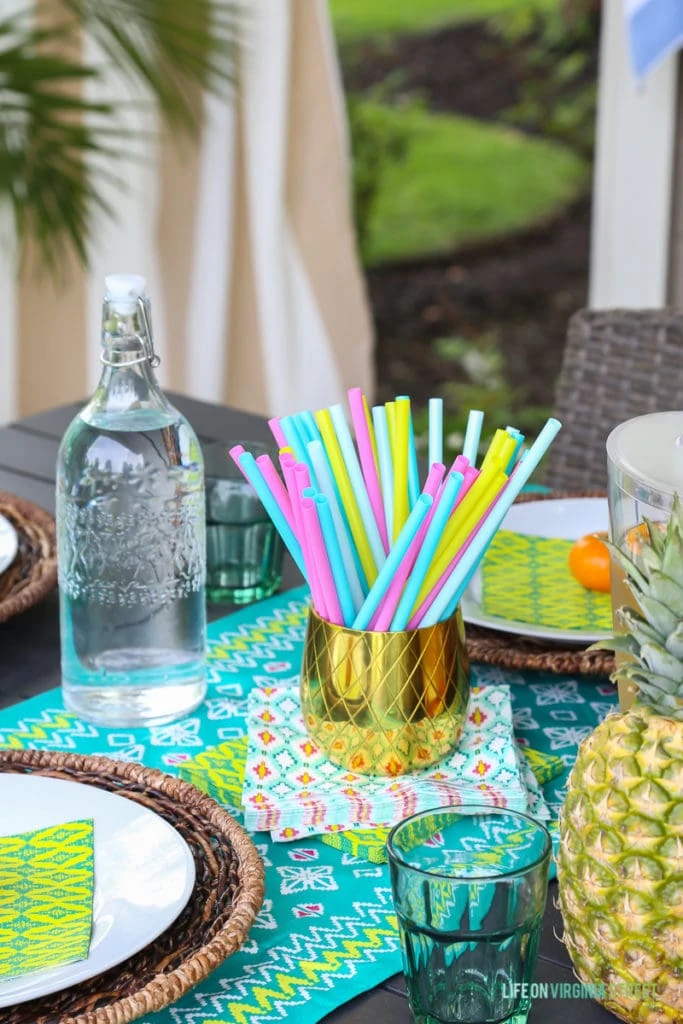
(620, 865)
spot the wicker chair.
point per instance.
(617, 364)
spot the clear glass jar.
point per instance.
(645, 469)
(131, 537)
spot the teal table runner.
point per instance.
(312, 947)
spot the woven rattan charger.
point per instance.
(33, 573)
(227, 895)
(519, 652)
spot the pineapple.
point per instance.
(620, 860)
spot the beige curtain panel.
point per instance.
(246, 241)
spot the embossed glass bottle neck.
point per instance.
(128, 386)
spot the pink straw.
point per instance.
(289, 466)
(367, 461)
(276, 431)
(470, 474)
(438, 586)
(381, 620)
(277, 488)
(311, 525)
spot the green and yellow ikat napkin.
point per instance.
(46, 896)
(527, 579)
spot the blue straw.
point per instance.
(311, 427)
(335, 556)
(394, 559)
(341, 429)
(435, 430)
(296, 441)
(354, 570)
(386, 466)
(470, 448)
(513, 432)
(449, 597)
(413, 475)
(426, 555)
(257, 481)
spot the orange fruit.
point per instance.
(589, 562)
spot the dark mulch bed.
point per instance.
(463, 68)
(523, 288)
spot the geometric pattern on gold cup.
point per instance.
(385, 703)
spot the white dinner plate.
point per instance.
(566, 518)
(9, 542)
(144, 872)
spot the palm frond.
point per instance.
(56, 146)
(172, 46)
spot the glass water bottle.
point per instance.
(131, 536)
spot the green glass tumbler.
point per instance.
(244, 551)
(469, 888)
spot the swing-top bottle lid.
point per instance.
(123, 291)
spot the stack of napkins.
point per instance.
(291, 788)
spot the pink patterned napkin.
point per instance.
(291, 788)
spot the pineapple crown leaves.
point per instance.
(653, 636)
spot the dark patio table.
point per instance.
(29, 664)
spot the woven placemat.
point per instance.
(507, 650)
(33, 573)
(227, 895)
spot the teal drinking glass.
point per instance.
(469, 888)
(243, 549)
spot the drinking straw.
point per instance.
(494, 447)
(433, 535)
(371, 431)
(519, 438)
(455, 586)
(384, 614)
(400, 458)
(470, 474)
(276, 431)
(413, 474)
(247, 464)
(391, 426)
(311, 525)
(367, 461)
(422, 608)
(311, 426)
(341, 583)
(295, 441)
(353, 469)
(435, 430)
(277, 488)
(352, 570)
(386, 472)
(289, 464)
(396, 555)
(468, 513)
(470, 447)
(346, 494)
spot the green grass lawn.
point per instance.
(358, 19)
(462, 180)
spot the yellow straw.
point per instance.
(286, 451)
(371, 432)
(348, 498)
(400, 453)
(391, 427)
(483, 492)
(504, 453)
(497, 441)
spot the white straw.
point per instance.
(470, 448)
(435, 430)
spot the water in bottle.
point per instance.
(131, 536)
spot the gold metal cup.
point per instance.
(385, 703)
